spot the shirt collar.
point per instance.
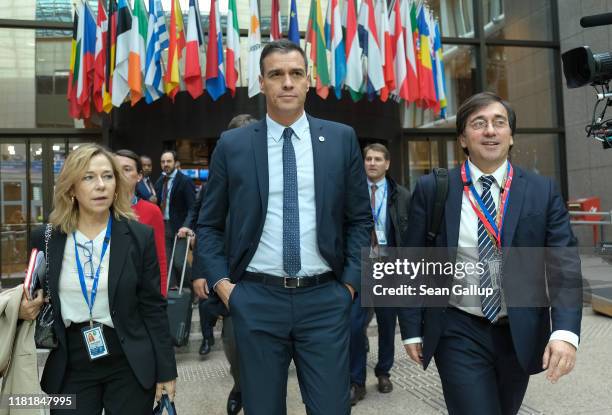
(275, 130)
(379, 184)
(498, 174)
(171, 175)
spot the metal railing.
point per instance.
(606, 219)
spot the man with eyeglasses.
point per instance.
(487, 345)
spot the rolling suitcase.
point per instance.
(179, 303)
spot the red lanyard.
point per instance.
(492, 225)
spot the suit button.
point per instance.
(114, 313)
(122, 340)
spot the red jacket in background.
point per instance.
(149, 214)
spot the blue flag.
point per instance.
(294, 31)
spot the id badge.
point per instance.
(495, 272)
(381, 237)
(95, 344)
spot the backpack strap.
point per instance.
(441, 176)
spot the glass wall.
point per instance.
(517, 57)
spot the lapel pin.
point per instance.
(321, 138)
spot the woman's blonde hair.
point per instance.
(65, 214)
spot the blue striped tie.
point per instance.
(486, 251)
(291, 215)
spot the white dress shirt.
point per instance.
(468, 238)
(73, 305)
(268, 258)
(382, 194)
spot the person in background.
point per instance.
(145, 188)
(176, 197)
(389, 203)
(104, 280)
(211, 307)
(146, 212)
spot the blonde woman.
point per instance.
(114, 348)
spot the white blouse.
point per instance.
(73, 304)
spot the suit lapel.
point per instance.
(119, 247)
(453, 207)
(260, 150)
(319, 164)
(57, 244)
(515, 204)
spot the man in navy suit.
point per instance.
(176, 196)
(487, 346)
(296, 194)
(145, 188)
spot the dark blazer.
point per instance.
(536, 217)
(137, 308)
(182, 196)
(238, 186)
(142, 191)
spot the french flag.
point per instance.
(215, 79)
(195, 38)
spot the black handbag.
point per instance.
(44, 333)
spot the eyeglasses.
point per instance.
(87, 252)
(498, 124)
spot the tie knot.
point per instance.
(287, 133)
(374, 188)
(487, 181)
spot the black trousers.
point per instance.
(107, 383)
(274, 325)
(479, 369)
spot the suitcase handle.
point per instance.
(184, 263)
(170, 264)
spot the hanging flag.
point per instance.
(399, 52)
(354, 74)
(254, 50)
(424, 67)
(100, 57)
(120, 75)
(318, 54)
(176, 45)
(337, 48)
(157, 40)
(409, 44)
(215, 78)
(232, 38)
(440, 75)
(136, 62)
(86, 63)
(111, 42)
(195, 39)
(275, 24)
(368, 36)
(294, 31)
(386, 51)
(73, 106)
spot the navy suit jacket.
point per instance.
(182, 197)
(142, 191)
(238, 186)
(536, 217)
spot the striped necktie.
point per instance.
(491, 304)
